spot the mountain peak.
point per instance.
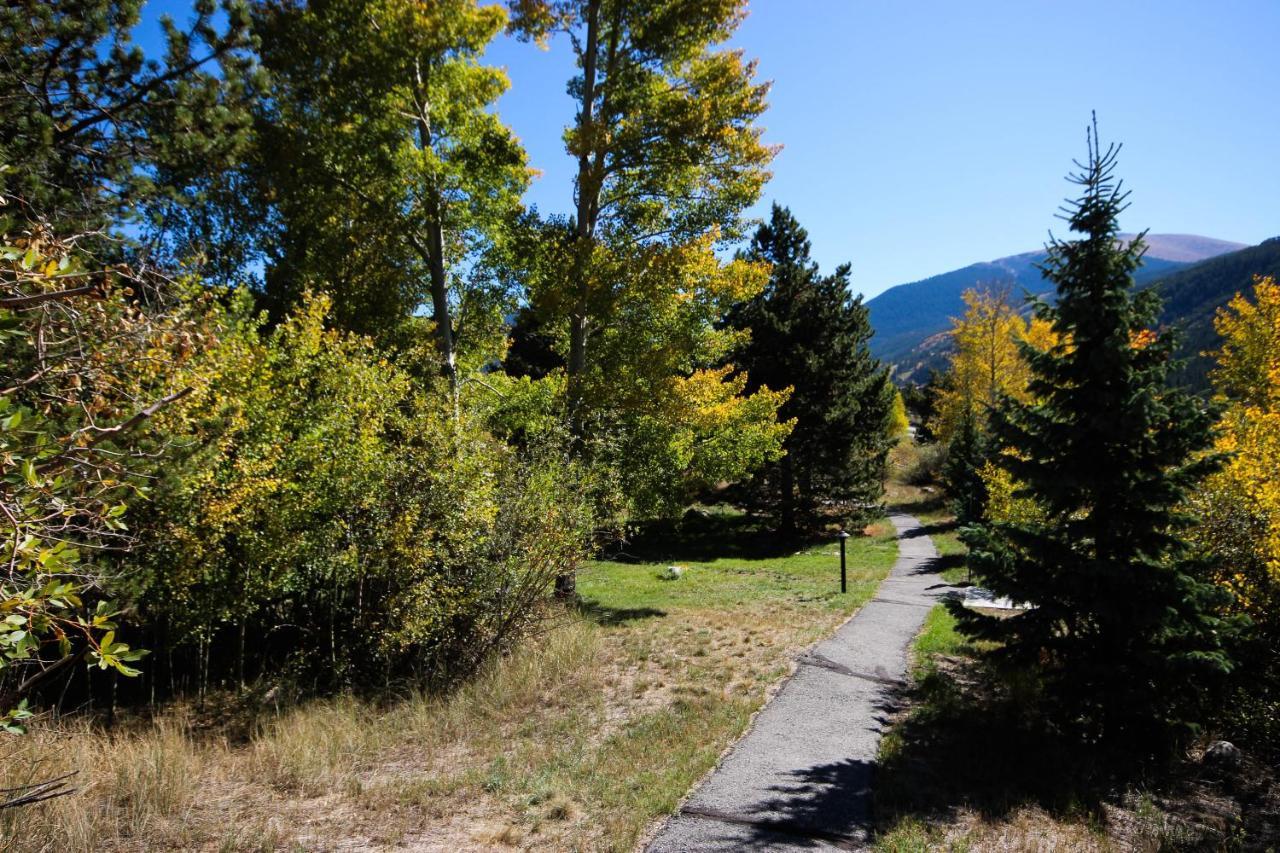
(1186, 248)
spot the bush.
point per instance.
(85, 363)
(337, 520)
(923, 463)
(1238, 507)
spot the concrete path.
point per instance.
(800, 778)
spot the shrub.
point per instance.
(923, 465)
(337, 520)
(87, 359)
(1239, 506)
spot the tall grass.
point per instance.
(128, 785)
(146, 786)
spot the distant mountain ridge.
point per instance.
(1192, 297)
(909, 318)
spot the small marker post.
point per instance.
(844, 587)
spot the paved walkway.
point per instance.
(800, 779)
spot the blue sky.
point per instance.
(922, 136)
(925, 135)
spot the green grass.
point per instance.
(938, 637)
(912, 835)
(731, 561)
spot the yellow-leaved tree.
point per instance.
(1240, 505)
(899, 424)
(987, 361)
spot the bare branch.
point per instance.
(15, 303)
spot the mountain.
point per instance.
(909, 318)
(1192, 297)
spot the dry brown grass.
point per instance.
(1025, 830)
(331, 774)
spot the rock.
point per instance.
(1222, 753)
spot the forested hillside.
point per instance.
(1191, 293)
(907, 317)
(1193, 296)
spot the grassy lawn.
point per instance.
(940, 523)
(578, 741)
(938, 636)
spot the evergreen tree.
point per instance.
(809, 333)
(100, 139)
(1122, 628)
(963, 470)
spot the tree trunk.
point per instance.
(434, 248)
(588, 201)
(440, 294)
(577, 363)
(240, 654)
(804, 487)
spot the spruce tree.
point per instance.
(1122, 626)
(962, 473)
(809, 333)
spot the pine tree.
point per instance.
(101, 139)
(807, 332)
(963, 471)
(1122, 627)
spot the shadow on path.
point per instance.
(930, 529)
(939, 564)
(819, 804)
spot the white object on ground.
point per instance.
(976, 596)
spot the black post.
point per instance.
(844, 587)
